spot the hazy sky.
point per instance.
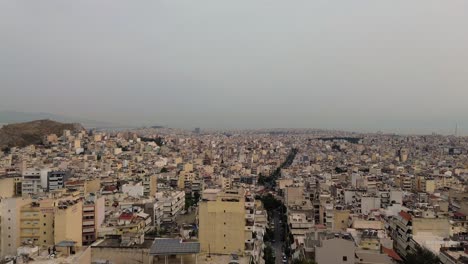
(367, 65)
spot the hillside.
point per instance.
(24, 134)
(11, 117)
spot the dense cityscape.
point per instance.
(234, 132)
(160, 195)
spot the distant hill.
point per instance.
(24, 134)
(10, 117)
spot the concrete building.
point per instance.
(93, 217)
(150, 183)
(10, 224)
(7, 187)
(68, 221)
(56, 179)
(222, 223)
(37, 223)
(328, 252)
(173, 203)
(31, 182)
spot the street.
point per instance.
(278, 245)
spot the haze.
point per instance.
(363, 65)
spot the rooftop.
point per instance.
(170, 246)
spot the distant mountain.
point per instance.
(11, 117)
(24, 134)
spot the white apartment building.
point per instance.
(173, 203)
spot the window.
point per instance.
(345, 258)
(44, 224)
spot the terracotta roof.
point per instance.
(126, 216)
(405, 215)
(391, 253)
(459, 214)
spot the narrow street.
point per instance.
(278, 245)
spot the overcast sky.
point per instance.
(365, 65)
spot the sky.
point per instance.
(363, 65)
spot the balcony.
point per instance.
(88, 223)
(88, 230)
(88, 209)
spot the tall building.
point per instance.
(93, 217)
(150, 183)
(50, 221)
(37, 223)
(222, 223)
(10, 225)
(69, 221)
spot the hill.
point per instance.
(24, 134)
(10, 117)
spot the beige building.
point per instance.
(327, 253)
(150, 183)
(10, 225)
(69, 221)
(293, 194)
(7, 187)
(222, 223)
(50, 221)
(37, 223)
(341, 220)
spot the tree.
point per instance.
(196, 197)
(188, 200)
(164, 170)
(270, 202)
(269, 235)
(269, 255)
(422, 256)
(303, 261)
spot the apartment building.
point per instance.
(173, 203)
(50, 221)
(68, 221)
(222, 221)
(37, 223)
(56, 179)
(31, 182)
(10, 225)
(150, 183)
(93, 217)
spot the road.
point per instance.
(278, 245)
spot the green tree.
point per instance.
(188, 200)
(269, 255)
(164, 170)
(303, 261)
(422, 256)
(269, 235)
(270, 202)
